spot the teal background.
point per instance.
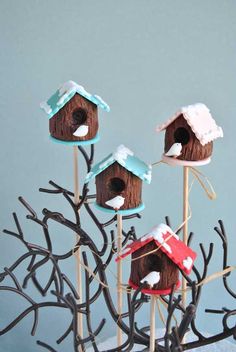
(145, 59)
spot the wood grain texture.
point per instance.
(133, 187)
(62, 125)
(193, 150)
(157, 261)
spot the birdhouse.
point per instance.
(73, 114)
(189, 136)
(119, 181)
(156, 260)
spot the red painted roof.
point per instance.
(169, 243)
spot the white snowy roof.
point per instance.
(200, 120)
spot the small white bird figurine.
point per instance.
(175, 150)
(152, 278)
(81, 131)
(116, 203)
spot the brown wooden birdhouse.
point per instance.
(119, 181)
(189, 136)
(157, 258)
(73, 114)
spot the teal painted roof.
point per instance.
(125, 158)
(66, 93)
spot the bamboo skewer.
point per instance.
(119, 278)
(185, 227)
(78, 252)
(152, 323)
(185, 204)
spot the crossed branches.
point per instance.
(64, 295)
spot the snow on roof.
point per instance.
(65, 93)
(126, 158)
(166, 241)
(200, 120)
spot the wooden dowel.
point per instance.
(185, 221)
(76, 174)
(185, 203)
(152, 324)
(78, 252)
(119, 277)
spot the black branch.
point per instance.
(98, 250)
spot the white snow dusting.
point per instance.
(148, 175)
(187, 263)
(195, 109)
(152, 278)
(47, 108)
(68, 88)
(157, 234)
(121, 154)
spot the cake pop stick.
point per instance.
(185, 221)
(119, 278)
(152, 323)
(78, 252)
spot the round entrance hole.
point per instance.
(79, 116)
(182, 136)
(116, 185)
(154, 263)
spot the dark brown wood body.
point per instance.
(62, 125)
(157, 261)
(193, 150)
(133, 187)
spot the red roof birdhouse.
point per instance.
(157, 258)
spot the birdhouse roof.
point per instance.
(126, 158)
(200, 120)
(65, 93)
(166, 241)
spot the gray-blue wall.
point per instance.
(146, 59)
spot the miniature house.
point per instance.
(159, 252)
(73, 113)
(194, 127)
(120, 175)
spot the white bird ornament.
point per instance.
(116, 203)
(175, 150)
(151, 279)
(81, 131)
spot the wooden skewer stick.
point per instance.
(119, 278)
(185, 227)
(152, 323)
(78, 252)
